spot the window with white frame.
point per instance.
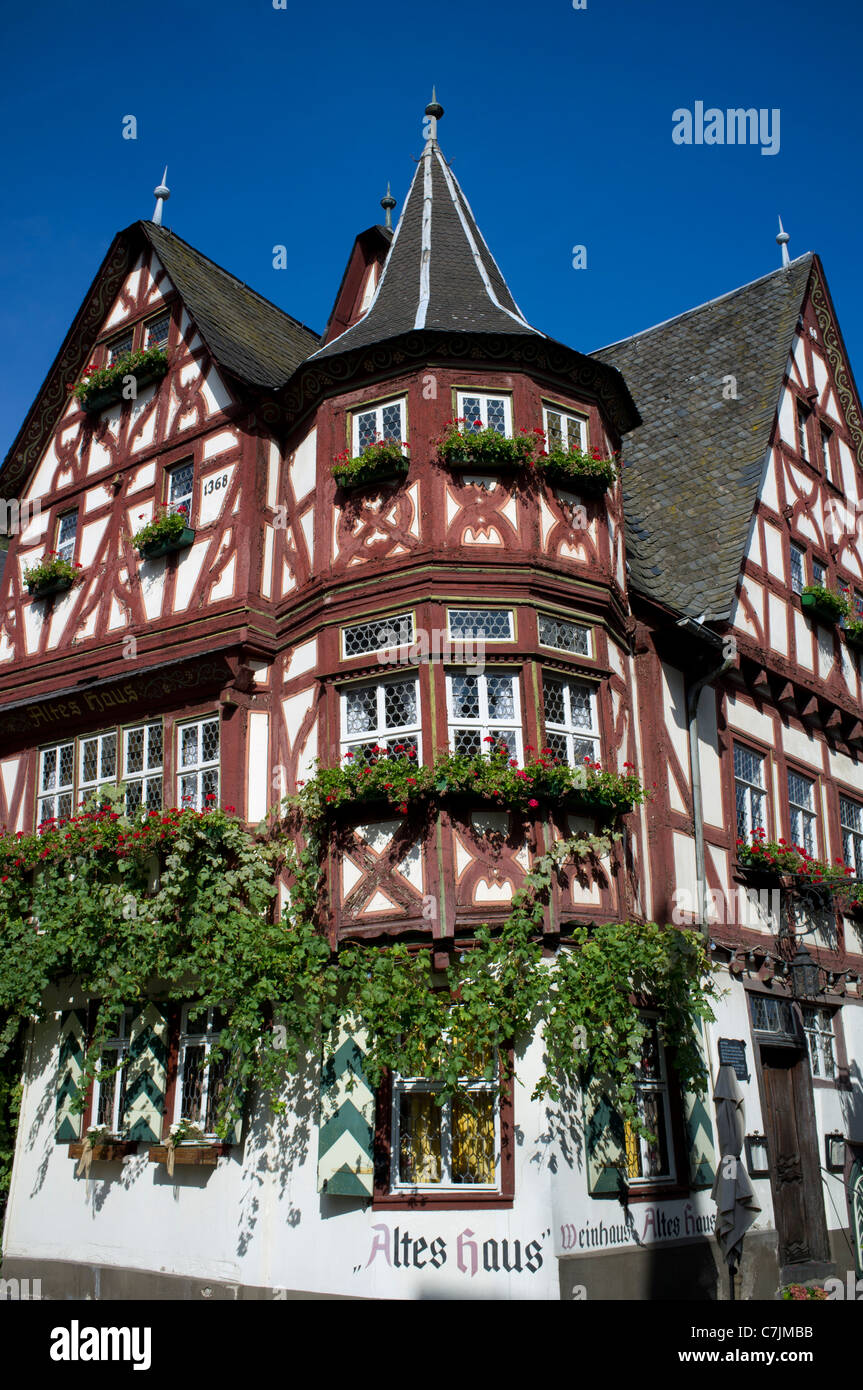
(803, 414)
(142, 766)
(571, 730)
(97, 765)
(198, 763)
(385, 714)
(563, 431)
(490, 624)
(200, 1081)
(483, 711)
(67, 530)
(181, 483)
(378, 422)
(156, 332)
(564, 635)
(118, 347)
(851, 821)
(750, 791)
(818, 1027)
(109, 1086)
(827, 452)
(798, 568)
(363, 639)
(56, 782)
(481, 410)
(456, 1144)
(801, 804)
(650, 1159)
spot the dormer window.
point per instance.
(803, 414)
(378, 422)
(156, 332)
(119, 347)
(181, 482)
(67, 530)
(564, 431)
(481, 411)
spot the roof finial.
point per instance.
(783, 239)
(434, 111)
(161, 193)
(388, 203)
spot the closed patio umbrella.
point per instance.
(732, 1190)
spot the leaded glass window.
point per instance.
(750, 792)
(181, 481)
(156, 332)
(362, 639)
(851, 821)
(563, 431)
(456, 1144)
(383, 715)
(97, 765)
(770, 1015)
(142, 766)
(564, 635)
(56, 782)
(484, 712)
(67, 530)
(570, 720)
(798, 569)
(818, 1027)
(109, 1090)
(492, 624)
(801, 804)
(649, 1159)
(200, 1081)
(379, 422)
(198, 763)
(480, 410)
(118, 347)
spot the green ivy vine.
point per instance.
(181, 904)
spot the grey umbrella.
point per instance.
(732, 1191)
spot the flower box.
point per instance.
(381, 463)
(151, 550)
(372, 477)
(584, 804)
(587, 473)
(187, 1155)
(484, 450)
(47, 588)
(109, 1151)
(103, 388)
(822, 604)
(854, 635)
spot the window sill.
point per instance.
(441, 1201)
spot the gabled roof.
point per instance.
(250, 336)
(693, 468)
(439, 273)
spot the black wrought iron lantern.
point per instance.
(804, 974)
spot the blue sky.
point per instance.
(282, 126)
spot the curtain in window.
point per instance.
(473, 1140)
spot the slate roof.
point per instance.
(254, 339)
(439, 273)
(693, 468)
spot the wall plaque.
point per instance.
(732, 1053)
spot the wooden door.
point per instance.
(795, 1172)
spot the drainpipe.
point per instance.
(692, 696)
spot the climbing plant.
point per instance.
(180, 904)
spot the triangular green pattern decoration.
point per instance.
(146, 1075)
(605, 1145)
(346, 1138)
(699, 1134)
(70, 1069)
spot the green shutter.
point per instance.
(69, 1072)
(146, 1075)
(699, 1132)
(605, 1145)
(346, 1139)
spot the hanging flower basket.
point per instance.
(383, 462)
(51, 576)
(99, 388)
(485, 449)
(825, 605)
(588, 473)
(168, 531)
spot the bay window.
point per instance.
(385, 714)
(378, 422)
(570, 720)
(483, 410)
(483, 711)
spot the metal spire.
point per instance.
(434, 111)
(161, 193)
(783, 239)
(388, 203)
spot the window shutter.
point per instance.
(605, 1144)
(69, 1072)
(699, 1133)
(346, 1139)
(146, 1075)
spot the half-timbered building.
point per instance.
(659, 624)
